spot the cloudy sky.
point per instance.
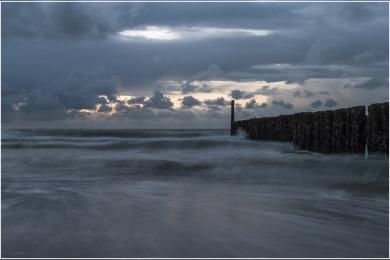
(178, 65)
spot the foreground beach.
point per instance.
(186, 193)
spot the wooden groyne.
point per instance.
(346, 130)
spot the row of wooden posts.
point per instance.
(346, 130)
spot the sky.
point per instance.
(178, 65)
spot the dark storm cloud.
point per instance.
(299, 73)
(371, 84)
(267, 91)
(299, 79)
(325, 92)
(71, 21)
(264, 91)
(282, 103)
(121, 106)
(188, 85)
(217, 102)
(112, 98)
(159, 101)
(253, 104)
(330, 103)
(190, 101)
(81, 20)
(104, 108)
(55, 99)
(59, 57)
(80, 91)
(136, 100)
(316, 104)
(92, 20)
(263, 105)
(305, 93)
(102, 101)
(238, 94)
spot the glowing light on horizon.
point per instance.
(166, 33)
(152, 33)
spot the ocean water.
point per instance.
(186, 193)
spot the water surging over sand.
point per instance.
(186, 193)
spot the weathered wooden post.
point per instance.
(232, 130)
(378, 128)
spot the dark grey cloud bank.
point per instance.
(59, 57)
(190, 101)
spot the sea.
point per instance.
(186, 193)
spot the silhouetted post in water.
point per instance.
(232, 132)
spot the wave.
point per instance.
(117, 141)
(204, 154)
(120, 133)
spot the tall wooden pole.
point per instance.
(232, 130)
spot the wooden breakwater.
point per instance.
(346, 130)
